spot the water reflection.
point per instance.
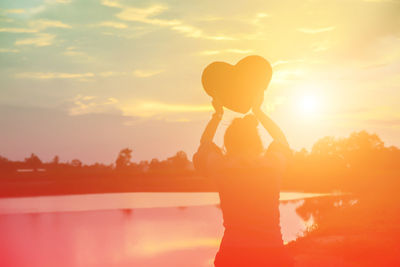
(166, 236)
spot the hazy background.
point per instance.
(84, 79)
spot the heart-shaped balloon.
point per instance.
(237, 86)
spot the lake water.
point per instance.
(124, 229)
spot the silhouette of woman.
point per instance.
(247, 178)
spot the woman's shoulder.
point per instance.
(208, 157)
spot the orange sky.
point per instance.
(84, 79)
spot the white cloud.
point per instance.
(6, 50)
(113, 24)
(81, 105)
(321, 46)
(18, 30)
(316, 30)
(111, 3)
(145, 15)
(14, 11)
(188, 30)
(287, 75)
(232, 50)
(111, 73)
(54, 75)
(262, 15)
(283, 62)
(195, 32)
(259, 18)
(37, 9)
(58, 1)
(146, 73)
(380, 1)
(42, 24)
(91, 104)
(42, 39)
(148, 108)
(73, 51)
(148, 16)
(87, 76)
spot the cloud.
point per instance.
(58, 1)
(37, 9)
(145, 15)
(146, 73)
(65, 75)
(188, 31)
(81, 104)
(113, 24)
(262, 15)
(42, 39)
(72, 52)
(287, 76)
(43, 24)
(380, 1)
(6, 50)
(321, 46)
(233, 51)
(18, 30)
(14, 11)
(111, 73)
(54, 75)
(152, 108)
(284, 62)
(81, 76)
(111, 3)
(91, 104)
(259, 18)
(316, 30)
(194, 32)
(148, 16)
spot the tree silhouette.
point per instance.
(56, 160)
(76, 163)
(355, 163)
(33, 162)
(124, 159)
(179, 160)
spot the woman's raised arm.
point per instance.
(211, 128)
(271, 127)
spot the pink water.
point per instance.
(128, 229)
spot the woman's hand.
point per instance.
(218, 107)
(271, 127)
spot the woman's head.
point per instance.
(242, 138)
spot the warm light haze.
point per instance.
(84, 79)
(199, 133)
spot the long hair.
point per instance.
(242, 137)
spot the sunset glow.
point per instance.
(199, 133)
(308, 104)
(134, 64)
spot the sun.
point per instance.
(308, 104)
(307, 100)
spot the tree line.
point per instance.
(358, 162)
